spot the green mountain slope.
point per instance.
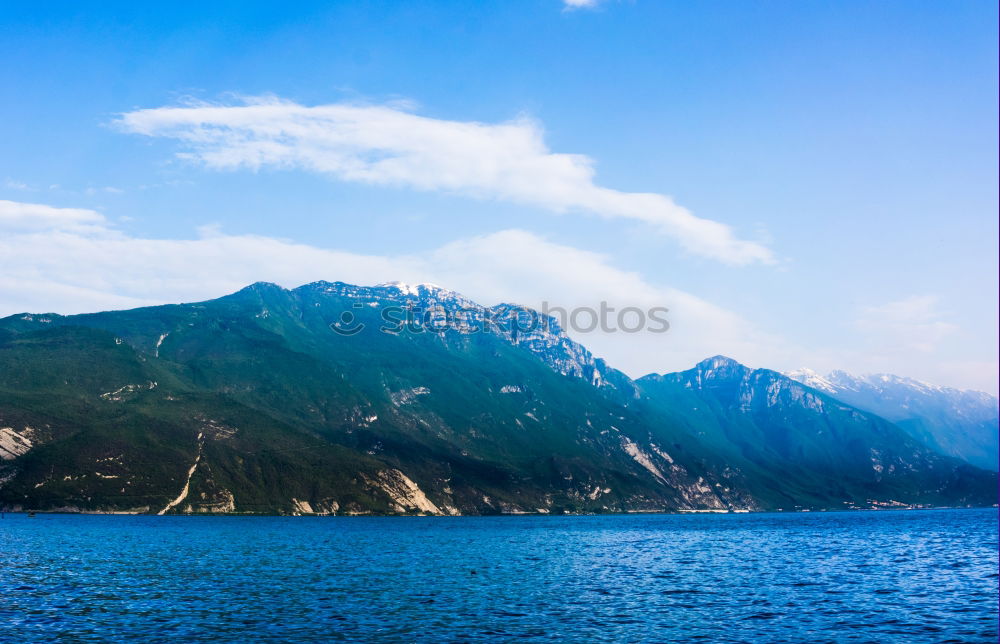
(801, 447)
(311, 419)
(260, 401)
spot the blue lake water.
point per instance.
(910, 576)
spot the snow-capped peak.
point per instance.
(410, 289)
(810, 378)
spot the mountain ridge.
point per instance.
(258, 402)
(960, 423)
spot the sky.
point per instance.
(800, 184)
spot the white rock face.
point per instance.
(407, 395)
(187, 483)
(642, 458)
(159, 341)
(119, 394)
(14, 444)
(406, 494)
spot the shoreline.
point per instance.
(481, 516)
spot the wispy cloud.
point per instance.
(17, 217)
(581, 4)
(911, 324)
(91, 190)
(386, 145)
(14, 184)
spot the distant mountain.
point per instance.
(963, 424)
(334, 398)
(797, 444)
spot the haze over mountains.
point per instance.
(307, 401)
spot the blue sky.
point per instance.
(825, 173)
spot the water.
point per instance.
(876, 576)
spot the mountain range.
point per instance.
(955, 422)
(339, 399)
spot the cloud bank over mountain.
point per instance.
(75, 260)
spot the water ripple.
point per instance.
(926, 576)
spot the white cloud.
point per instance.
(914, 337)
(518, 266)
(580, 4)
(14, 184)
(90, 191)
(911, 337)
(912, 324)
(73, 260)
(385, 145)
(21, 217)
